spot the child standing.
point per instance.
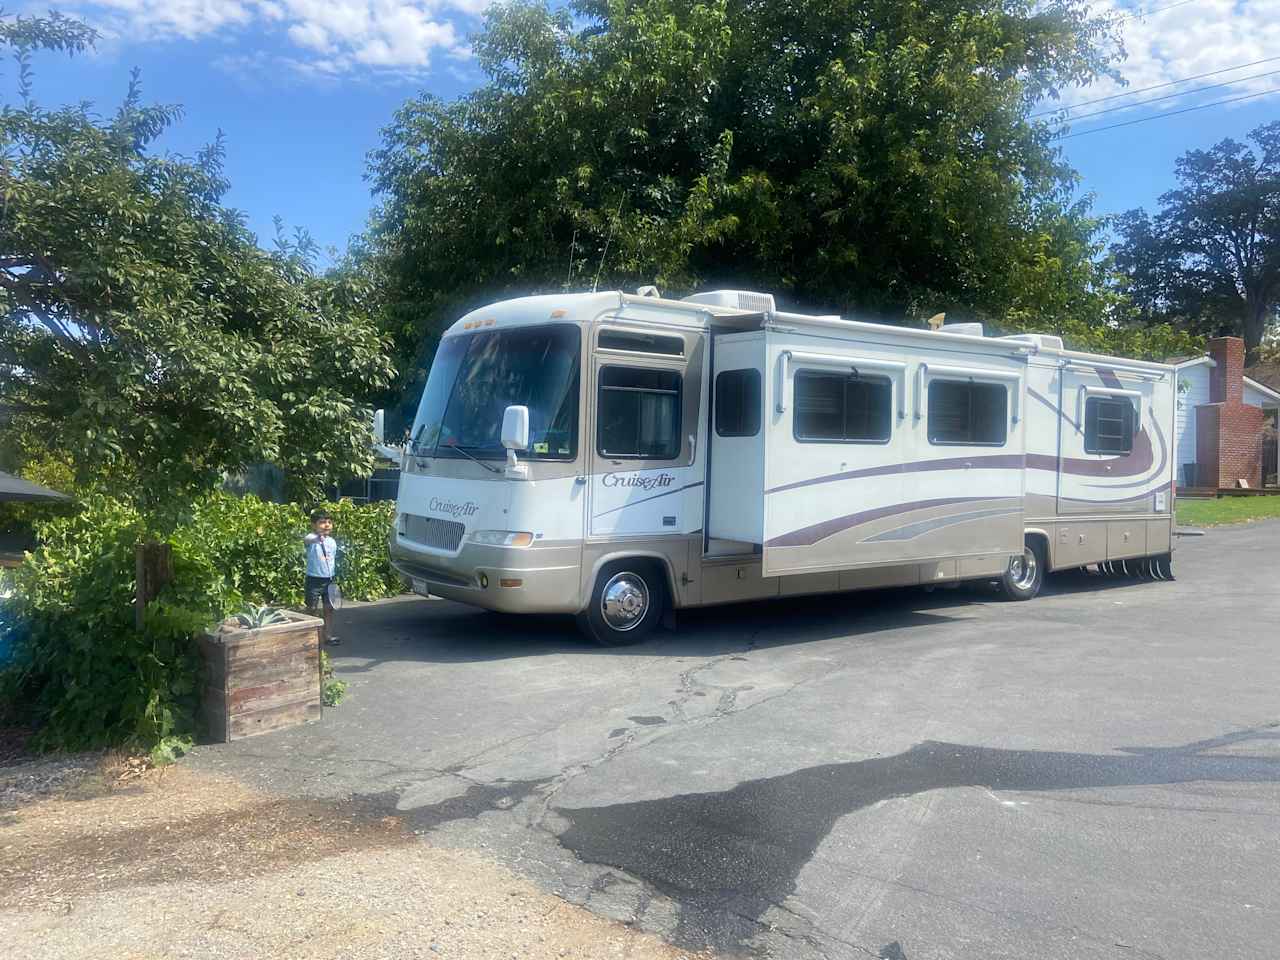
(322, 565)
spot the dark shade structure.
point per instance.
(15, 488)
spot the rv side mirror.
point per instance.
(379, 419)
(515, 428)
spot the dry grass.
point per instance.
(169, 863)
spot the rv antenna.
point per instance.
(936, 321)
(607, 241)
(572, 246)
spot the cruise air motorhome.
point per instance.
(616, 456)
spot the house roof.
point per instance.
(15, 488)
(1182, 362)
(1262, 388)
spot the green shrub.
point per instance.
(364, 563)
(257, 546)
(82, 671)
(88, 678)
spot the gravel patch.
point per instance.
(180, 864)
(44, 777)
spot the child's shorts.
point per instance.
(316, 590)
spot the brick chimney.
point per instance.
(1228, 431)
(1226, 380)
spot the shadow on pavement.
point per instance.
(441, 631)
(726, 857)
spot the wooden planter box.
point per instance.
(260, 680)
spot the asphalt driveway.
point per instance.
(896, 774)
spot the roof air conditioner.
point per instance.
(1044, 341)
(744, 300)
(968, 329)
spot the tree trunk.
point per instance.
(153, 567)
(1255, 325)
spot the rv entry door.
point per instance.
(645, 469)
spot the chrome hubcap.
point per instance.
(624, 601)
(1022, 570)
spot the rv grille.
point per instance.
(434, 533)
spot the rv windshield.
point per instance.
(474, 378)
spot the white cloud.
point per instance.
(324, 37)
(1187, 40)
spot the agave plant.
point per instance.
(254, 616)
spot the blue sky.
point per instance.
(301, 89)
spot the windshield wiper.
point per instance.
(471, 456)
(413, 444)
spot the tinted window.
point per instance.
(967, 412)
(638, 342)
(738, 403)
(475, 377)
(639, 413)
(1108, 425)
(836, 406)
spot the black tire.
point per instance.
(1023, 581)
(638, 601)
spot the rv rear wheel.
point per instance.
(1024, 576)
(627, 603)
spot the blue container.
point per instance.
(8, 629)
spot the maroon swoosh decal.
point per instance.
(1108, 378)
(1052, 406)
(1002, 461)
(1136, 462)
(1159, 471)
(656, 496)
(806, 536)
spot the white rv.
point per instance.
(616, 456)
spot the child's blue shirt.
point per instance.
(322, 554)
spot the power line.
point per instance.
(1171, 96)
(1169, 113)
(1157, 86)
(1150, 13)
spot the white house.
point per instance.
(1221, 419)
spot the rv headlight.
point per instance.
(502, 538)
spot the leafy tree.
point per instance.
(142, 330)
(1210, 258)
(877, 158)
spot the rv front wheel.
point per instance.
(1024, 576)
(626, 604)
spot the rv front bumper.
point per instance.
(543, 578)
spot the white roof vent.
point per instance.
(1044, 341)
(968, 329)
(736, 300)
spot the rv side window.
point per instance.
(837, 406)
(634, 341)
(1108, 425)
(738, 403)
(639, 413)
(968, 412)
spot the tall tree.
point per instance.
(1210, 258)
(143, 332)
(875, 157)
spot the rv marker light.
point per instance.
(503, 538)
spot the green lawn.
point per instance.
(1211, 513)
